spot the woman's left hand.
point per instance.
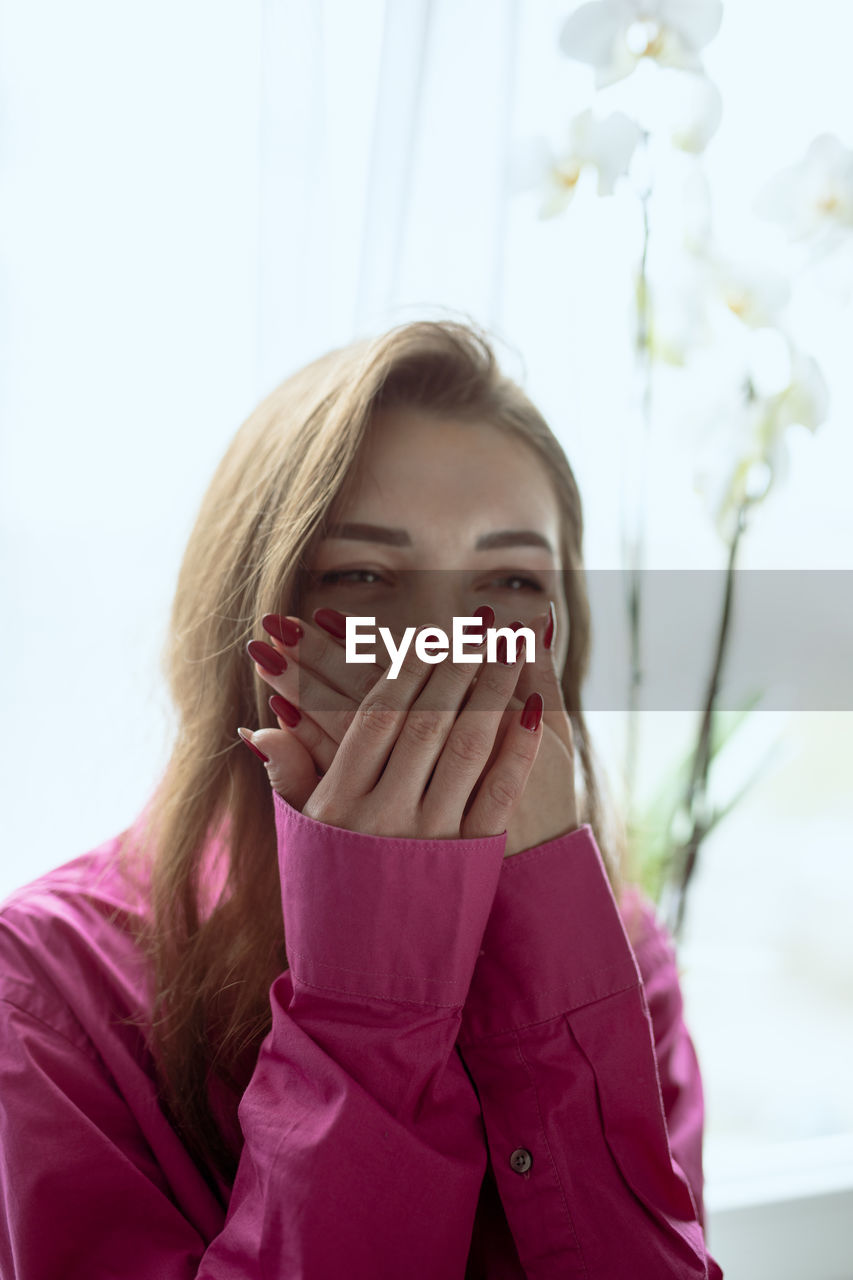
(548, 807)
(316, 675)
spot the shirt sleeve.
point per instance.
(363, 1146)
(587, 1079)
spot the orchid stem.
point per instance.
(635, 534)
(684, 862)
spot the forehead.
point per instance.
(409, 452)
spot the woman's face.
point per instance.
(444, 516)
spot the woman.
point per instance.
(382, 1006)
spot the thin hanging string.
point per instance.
(501, 247)
(291, 119)
(396, 131)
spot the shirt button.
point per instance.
(521, 1160)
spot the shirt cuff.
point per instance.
(381, 916)
(554, 940)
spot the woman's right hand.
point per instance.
(411, 758)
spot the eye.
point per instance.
(519, 582)
(348, 577)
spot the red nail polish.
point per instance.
(266, 657)
(501, 652)
(285, 710)
(550, 626)
(332, 621)
(252, 746)
(486, 614)
(283, 629)
(532, 712)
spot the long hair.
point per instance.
(212, 956)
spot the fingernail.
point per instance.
(532, 712)
(285, 710)
(283, 629)
(486, 614)
(550, 626)
(332, 621)
(246, 735)
(521, 648)
(501, 652)
(267, 657)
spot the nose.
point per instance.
(430, 597)
(438, 596)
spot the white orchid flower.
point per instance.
(814, 196)
(675, 106)
(805, 401)
(702, 299)
(677, 310)
(729, 463)
(614, 35)
(698, 112)
(603, 146)
(746, 450)
(755, 295)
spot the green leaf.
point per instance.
(726, 723)
(651, 848)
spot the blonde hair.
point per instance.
(211, 964)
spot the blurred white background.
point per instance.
(197, 198)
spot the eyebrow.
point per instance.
(400, 537)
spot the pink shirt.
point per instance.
(470, 1073)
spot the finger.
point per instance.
(542, 675)
(331, 710)
(289, 766)
(370, 738)
(314, 739)
(321, 650)
(426, 728)
(503, 785)
(315, 659)
(471, 741)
